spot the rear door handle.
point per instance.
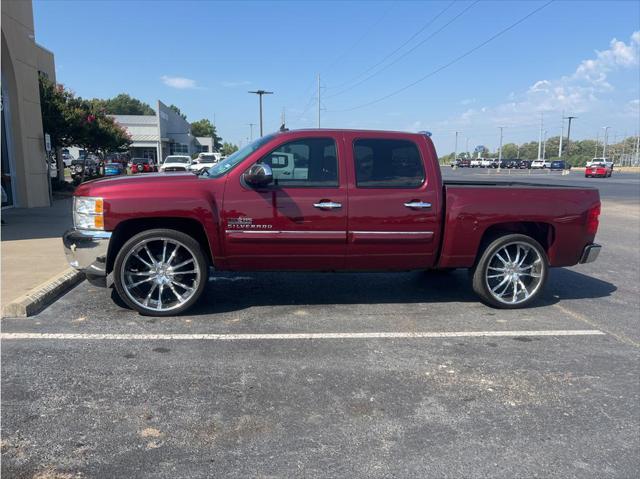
(417, 204)
(327, 205)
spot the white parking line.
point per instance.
(244, 337)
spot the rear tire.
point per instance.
(511, 272)
(160, 272)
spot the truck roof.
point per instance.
(350, 130)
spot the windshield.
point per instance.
(176, 159)
(234, 159)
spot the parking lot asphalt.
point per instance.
(287, 375)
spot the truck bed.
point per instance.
(557, 212)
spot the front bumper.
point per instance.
(590, 253)
(86, 250)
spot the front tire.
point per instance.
(511, 272)
(160, 272)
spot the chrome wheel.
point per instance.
(514, 273)
(160, 274)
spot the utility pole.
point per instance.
(260, 93)
(283, 117)
(251, 125)
(455, 152)
(518, 155)
(318, 100)
(544, 146)
(561, 137)
(637, 149)
(540, 137)
(500, 149)
(604, 145)
(570, 118)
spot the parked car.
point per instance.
(475, 163)
(540, 164)
(90, 165)
(142, 165)
(524, 164)
(558, 165)
(606, 161)
(488, 163)
(598, 170)
(371, 201)
(113, 169)
(176, 163)
(67, 159)
(204, 161)
(509, 163)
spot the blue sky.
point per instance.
(581, 57)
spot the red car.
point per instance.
(601, 170)
(325, 200)
(143, 165)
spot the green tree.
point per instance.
(177, 110)
(72, 121)
(205, 128)
(228, 148)
(202, 128)
(122, 104)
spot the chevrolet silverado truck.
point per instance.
(358, 201)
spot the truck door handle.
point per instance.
(327, 205)
(417, 204)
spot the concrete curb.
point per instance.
(42, 295)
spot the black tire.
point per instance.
(191, 245)
(481, 270)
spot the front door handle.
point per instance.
(417, 204)
(327, 205)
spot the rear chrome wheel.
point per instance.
(511, 272)
(160, 272)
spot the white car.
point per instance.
(204, 161)
(176, 163)
(540, 164)
(488, 163)
(475, 163)
(606, 161)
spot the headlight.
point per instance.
(88, 213)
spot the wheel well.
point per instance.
(543, 233)
(129, 228)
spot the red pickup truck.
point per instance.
(325, 200)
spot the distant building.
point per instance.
(25, 176)
(163, 134)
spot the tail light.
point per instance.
(592, 219)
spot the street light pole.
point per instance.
(570, 118)
(251, 130)
(260, 93)
(606, 137)
(500, 150)
(455, 152)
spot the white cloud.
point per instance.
(578, 92)
(233, 84)
(180, 83)
(467, 101)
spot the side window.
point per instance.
(388, 164)
(304, 163)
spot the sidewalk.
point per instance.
(31, 247)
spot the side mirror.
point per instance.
(258, 175)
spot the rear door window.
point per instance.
(381, 163)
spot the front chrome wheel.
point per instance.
(514, 273)
(160, 274)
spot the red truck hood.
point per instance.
(144, 180)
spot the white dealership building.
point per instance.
(163, 134)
